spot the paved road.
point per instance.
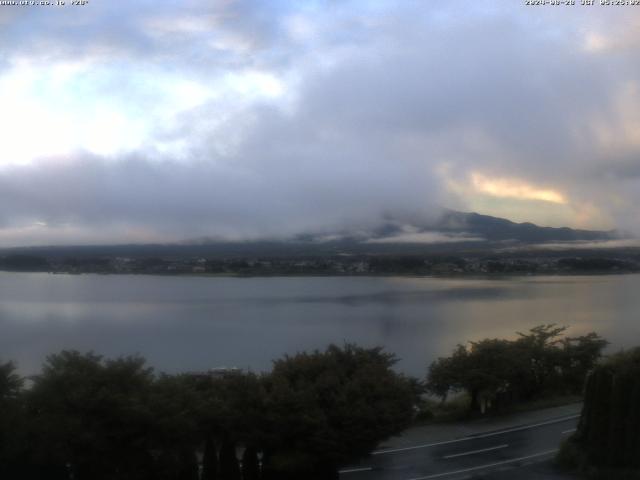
(483, 455)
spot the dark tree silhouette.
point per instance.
(608, 434)
(496, 372)
(210, 459)
(250, 466)
(229, 467)
(329, 408)
(90, 415)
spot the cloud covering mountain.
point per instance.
(153, 122)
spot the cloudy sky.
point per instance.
(171, 120)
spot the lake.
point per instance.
(196, 323)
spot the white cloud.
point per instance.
(426, 237)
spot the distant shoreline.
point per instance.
(469, 264)
(472, 276)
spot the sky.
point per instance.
(163, 121)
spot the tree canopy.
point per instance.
(498, 372)
(92, 418)
(332, 407)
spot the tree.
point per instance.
(580, 355)
(10, 382)
(24, 263)
(250, 464)
(229, 467)
(188, 465)
(329, 408)
(495, 372)
(88, 417)
(483, 370)
(539, 349)
(13, 435)
(608, 435)
(231, 412)
(175, 432)
(210, 459)
(91, 416)
(236, 408)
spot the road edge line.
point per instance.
(473, 437)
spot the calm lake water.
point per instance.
(195, 323)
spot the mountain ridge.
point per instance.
(450, 231)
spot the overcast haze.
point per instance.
(164, 121)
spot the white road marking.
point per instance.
(571, 430)
(354, 470)
(473, 437)
(489, 465)
(455, 455)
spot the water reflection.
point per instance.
(183, 323)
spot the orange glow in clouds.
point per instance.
(514, 188)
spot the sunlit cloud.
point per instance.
(596, 42)
(50, 110)
(607, 37)
(514, 188)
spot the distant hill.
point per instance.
(453, 226)
(498, 229)
(452, 231)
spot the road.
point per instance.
(483, 455)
